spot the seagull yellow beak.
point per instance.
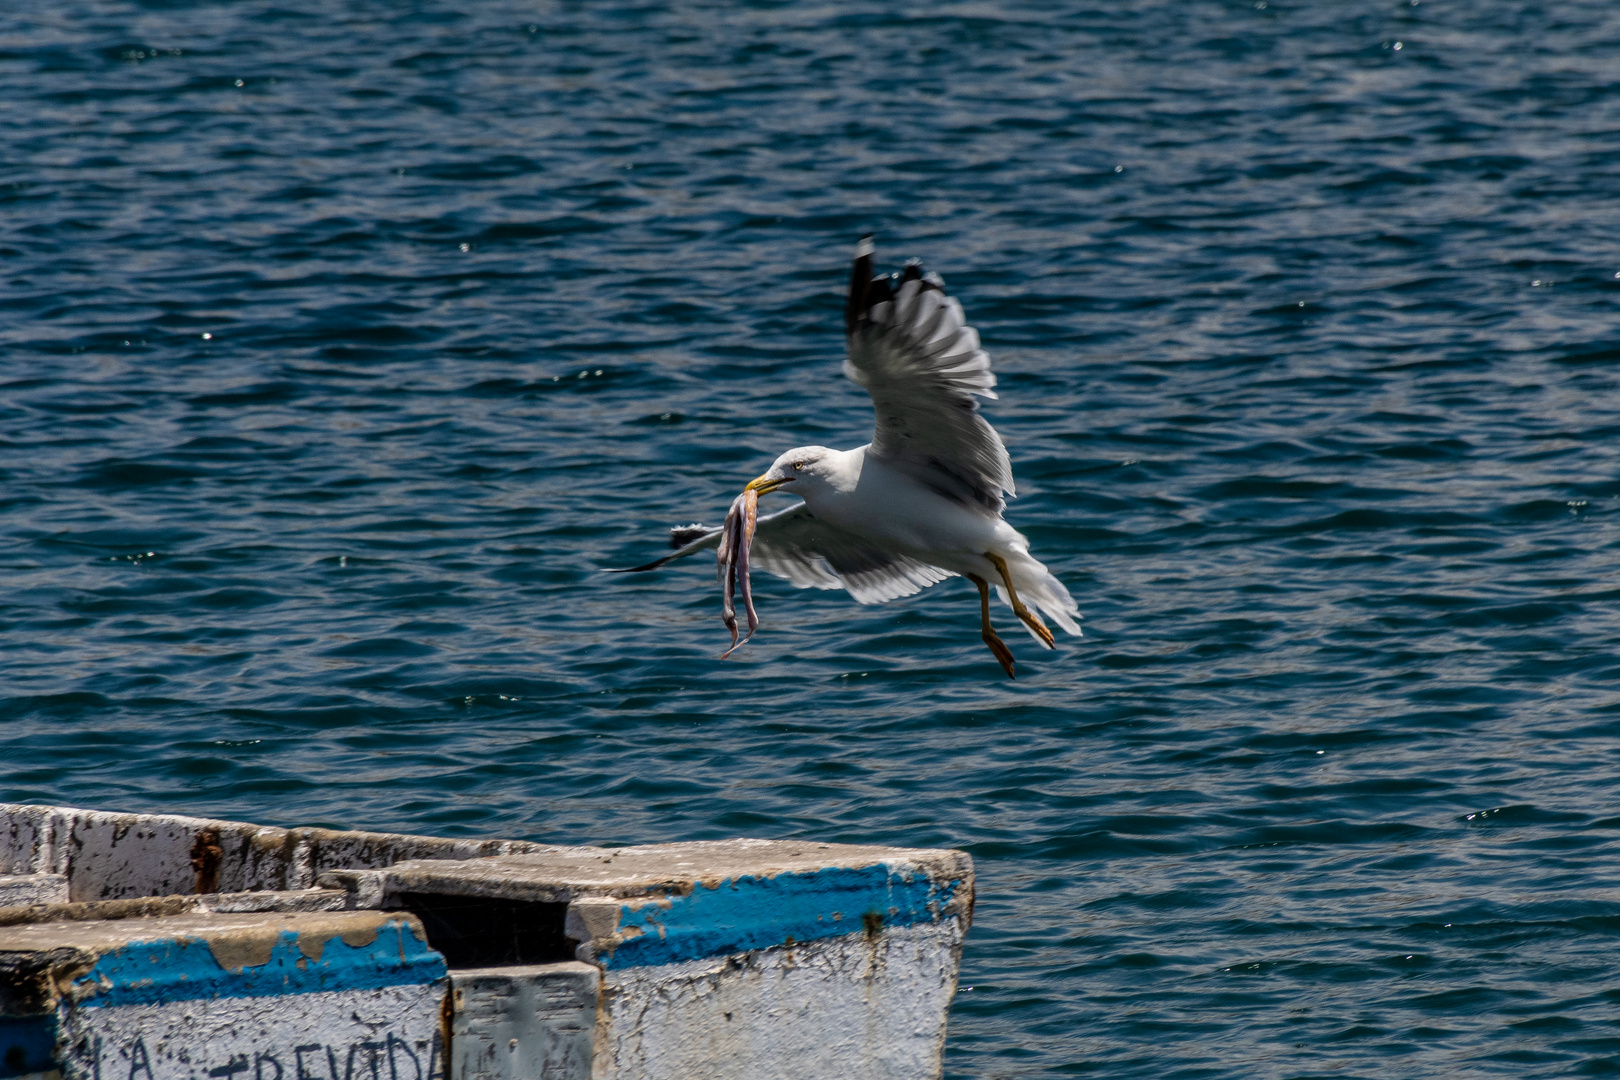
(765, 486)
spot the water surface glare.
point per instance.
(340, 343)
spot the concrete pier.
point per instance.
(150, 947)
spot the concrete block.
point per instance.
(562, 874)
(271, 997)
(743, 958)
(531, 1022)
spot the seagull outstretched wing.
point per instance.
(812, 554)
(912, 351)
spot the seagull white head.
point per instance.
(805, 471)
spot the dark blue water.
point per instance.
(339, 342)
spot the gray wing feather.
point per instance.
(815, 555)
(910, 347)
(812, 554)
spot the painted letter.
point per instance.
(90, 1047)
(298, 1060)
(138, 1060)
(229, 1069)
(258, 1066)
(373, 1057)
(393, 1065)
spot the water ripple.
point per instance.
(343, 346)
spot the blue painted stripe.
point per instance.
(27, 1044)
(184, 969)
(758, 912)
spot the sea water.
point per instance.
(342, 344)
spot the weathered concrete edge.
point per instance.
(159, 961)
(110, 855)
(748, 913)
(157, 972)
(533, 879)
(154, 907)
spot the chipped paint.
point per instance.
(744, 913)
(258, 965)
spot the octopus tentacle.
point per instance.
(736, 537)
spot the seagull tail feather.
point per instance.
(1039, 588)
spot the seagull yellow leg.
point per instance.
(988, 632)
(1030, 619)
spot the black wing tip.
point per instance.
(867, 290)
(681, 535)
(860, 279)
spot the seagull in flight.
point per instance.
(923, 500)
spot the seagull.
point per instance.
(923, 500)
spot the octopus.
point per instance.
(736, 537)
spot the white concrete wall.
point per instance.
(845, 1008)
(258, 996)
(383, 1034)
(110, 856)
